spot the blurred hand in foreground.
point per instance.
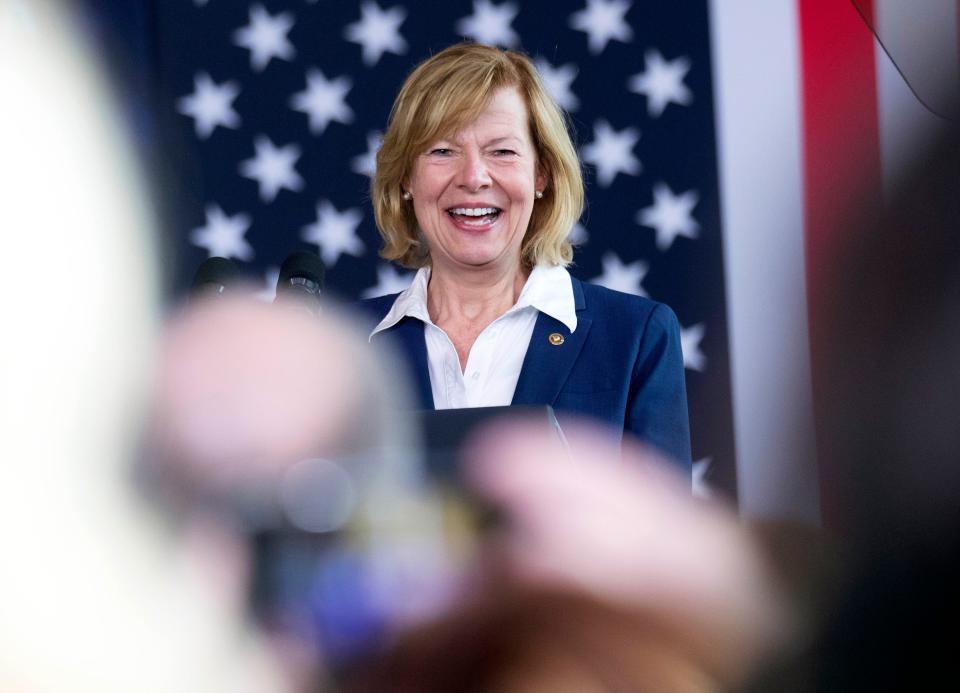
(244, 387)
(621, 527)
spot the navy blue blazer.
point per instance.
(623, 365)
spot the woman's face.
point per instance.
(473, 192)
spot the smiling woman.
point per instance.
(478, 185)
(442, 97)
(473, 191)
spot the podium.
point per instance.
(446, 431)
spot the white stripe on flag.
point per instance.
(757, 92)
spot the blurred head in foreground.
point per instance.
(258, 414)
(892, 359)
(890, 443)
(96, 597)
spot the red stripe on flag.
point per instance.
(842, 167)
(841, 134)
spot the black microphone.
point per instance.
(301, 280)
(214, 277)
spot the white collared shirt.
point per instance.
(496, 358)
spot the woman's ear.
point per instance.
(541, 181)
(405, 188)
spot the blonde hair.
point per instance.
(440, 97)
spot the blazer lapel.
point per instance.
(409, 333)
(547, 365)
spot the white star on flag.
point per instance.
(334, 232)
(621, 277)
(377, 31)
(210, 105)
(223, 236)
(558, 81)
(266, 37)
(490, 24)
(611, 152)
(690, 338)
(366, 164)
(389, 281)
(603, 20)
(273, 168)
(323, 101)
(662, 82)
(270, 278)
(670, 215)
(700, 487)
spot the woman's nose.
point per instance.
(473, 172)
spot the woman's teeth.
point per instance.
(474, 216)
(474, 211)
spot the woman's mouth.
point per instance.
(474, 216)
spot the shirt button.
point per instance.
(475, 376)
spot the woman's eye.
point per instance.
(440, 151)
(504, 152)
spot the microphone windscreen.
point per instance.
(301, 264)
(216, 273)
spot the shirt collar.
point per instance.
(548, 289)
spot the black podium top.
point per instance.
(445, 431)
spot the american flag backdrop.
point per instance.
(719, 140)
(278, 107)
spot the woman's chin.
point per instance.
(479, 260)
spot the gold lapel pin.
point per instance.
(556, 339)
